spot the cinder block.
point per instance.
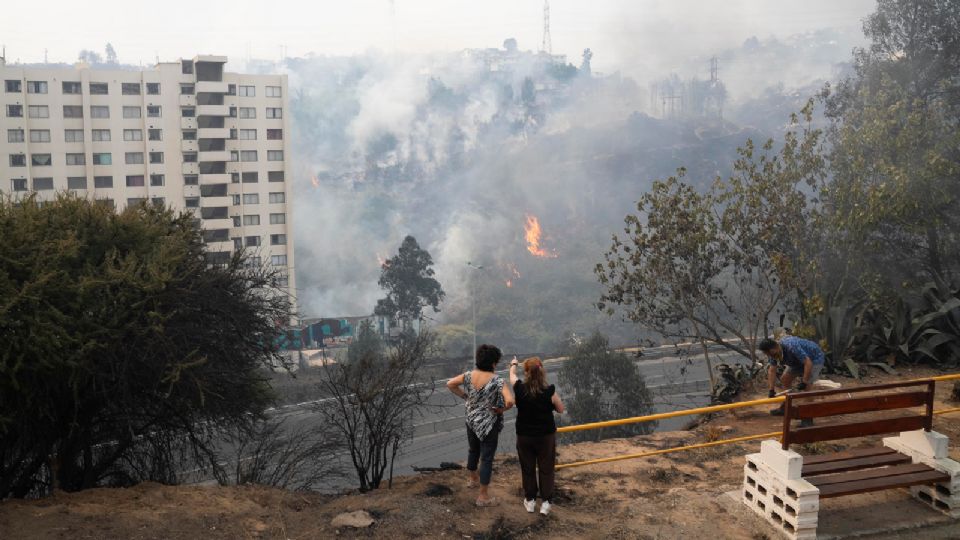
(787, 464)
(928, 444)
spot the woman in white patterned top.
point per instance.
(486, 399)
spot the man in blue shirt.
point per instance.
(801, 358)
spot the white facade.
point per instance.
(184, 132)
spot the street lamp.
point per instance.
(474, 302)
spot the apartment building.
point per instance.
(184, 133)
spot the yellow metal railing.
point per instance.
(701, 410)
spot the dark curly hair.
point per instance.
(487, 357)
(767, 345)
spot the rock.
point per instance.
(358, 520)
(437, 490)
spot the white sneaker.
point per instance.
(545, 507)
(530, 505)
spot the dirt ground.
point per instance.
(678, 495)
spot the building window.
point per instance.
(76, 159)
(275, 176)
(99, 111)
(189, 134)
(158, 201)
(278, 219)
(156, 180)
(39, 135)
(154, 134)
(41, 160)
(251, 198)
(251, 219)
(237, 243)
(14, 111)
(248, 112)
(18, 184)
(133, 158)
(234, 155)
(186, 67)
(153, 88)
(278, 239)
(231, 89)
(98, 135)
(274, 91)
(235, 178)
(135, 180)
(248, 155)
(71, 87)
(108, 202)
(254, 262)
(278, 197)
(98, 88)
(133, 134)
(130, 88)
(274, 112)
(18, 160)
(102, 181)
(187, 89)
(188, 112)
(247, 91)
(236, 200)
(251, 241)
(156, 157)
(73, 111)
(247, 135)
(274, 134)
(236, 221)
(153, 111)
(103, 158)
(274, 155)
(282, 281)
(42, 184)
(14, 135)
(131, 112)
(251, 177)
(36, 87)
(232, 112)
(191, 179)
(190, 157)
(135, 201)
(278, 260)
(76, 182)
(14, 86)
(39, 111)
(192, 202)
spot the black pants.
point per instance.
(482, 451)
(538, 456)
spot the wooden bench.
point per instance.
(786, 487)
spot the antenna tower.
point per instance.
(546, 46)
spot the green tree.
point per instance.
(125, 355)
(600, 384)
(408, 280)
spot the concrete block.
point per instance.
(926, 443)
(785, 463)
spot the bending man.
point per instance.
(801, 358)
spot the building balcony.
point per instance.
(191, 191)
(213, 110)
(213, 133)
(214, 206)
(206, 179)
(188, 123)
(188, 100)
(189, 146)
(214, 155)
(190, 168)
(212, 87)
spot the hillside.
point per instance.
(678, 495)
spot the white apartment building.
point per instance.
(184, 133)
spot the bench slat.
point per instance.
(866, 474)
(877, 484)
(854, 464)
(857, 429)
(848, 454)
(859, 405)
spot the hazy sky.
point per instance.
(619, 32)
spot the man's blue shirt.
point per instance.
(795, 349)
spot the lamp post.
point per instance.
(474, 302)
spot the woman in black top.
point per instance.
(536, 431)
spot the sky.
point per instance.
(621, 33)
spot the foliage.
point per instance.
(408, 280)
(124, 354)
(600, 384)
(375, 398)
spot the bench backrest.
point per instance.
(857, 400)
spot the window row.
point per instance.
(76, 111)
(252, 177)
(131, 88)
(254, 198)
(100, 158)
(251, 155)
(254, 241)
(254, 219)
(80, 182)
(76, 135)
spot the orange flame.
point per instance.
(533, 235)
(315, 182)
(380, 260)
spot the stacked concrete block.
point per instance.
(930, 448)
(774, 489)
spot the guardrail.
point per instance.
(702, 410)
